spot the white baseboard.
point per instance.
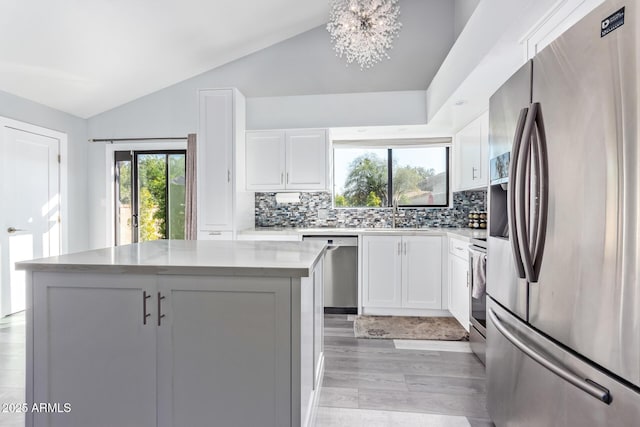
(385, 311)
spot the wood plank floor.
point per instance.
(366, 383)
(372, 383)
(12, 367)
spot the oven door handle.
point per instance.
(477, 250)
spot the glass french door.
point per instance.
(150, 195)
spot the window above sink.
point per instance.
(369, 175)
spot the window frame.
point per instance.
(390, 149)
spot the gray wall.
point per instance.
(462, 11)
(17, 108)
(336, 110)
(303, 65)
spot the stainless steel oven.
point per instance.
(478, 300)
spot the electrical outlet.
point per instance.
(323, 213)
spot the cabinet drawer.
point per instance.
(459, 248)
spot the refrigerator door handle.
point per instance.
(540, 233)
(534, 187)
(583, 384)
(521, 193)
(511, 208)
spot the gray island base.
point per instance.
(177, 333)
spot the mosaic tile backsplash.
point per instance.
(305, 214)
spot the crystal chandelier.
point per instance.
(363, 30)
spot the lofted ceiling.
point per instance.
(85, 57)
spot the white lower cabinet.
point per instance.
(422, 272)
(459, 282)
(216, 361)
(176, 350)
(402, 272)
(92, 351)
(382, 271)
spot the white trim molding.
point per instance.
(110, 149)
(560, 17)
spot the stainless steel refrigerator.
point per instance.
(563, 276)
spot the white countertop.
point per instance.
(466, 233)
(458, 233)
(237, 258)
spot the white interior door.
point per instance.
(31, 208)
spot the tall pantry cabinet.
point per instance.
(224, 205)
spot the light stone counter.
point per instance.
(237, 258)
(459, 233)
(466, 233)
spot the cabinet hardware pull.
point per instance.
(228, 175)
(399, 248)
(287, 177)
(145, 315)
(473, 172)
(14, 230)
(160, 315)
(215, 233)
(405, 248)
(281, 177)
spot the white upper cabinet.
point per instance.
(471, 151)
(265, 160)
(287, 160)
(306, 159)
(223, 204)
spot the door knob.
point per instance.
(13, 229)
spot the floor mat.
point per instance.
(409, 328)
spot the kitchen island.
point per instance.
(176, 333)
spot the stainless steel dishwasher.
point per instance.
(340, 273)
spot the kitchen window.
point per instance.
(411, 176)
